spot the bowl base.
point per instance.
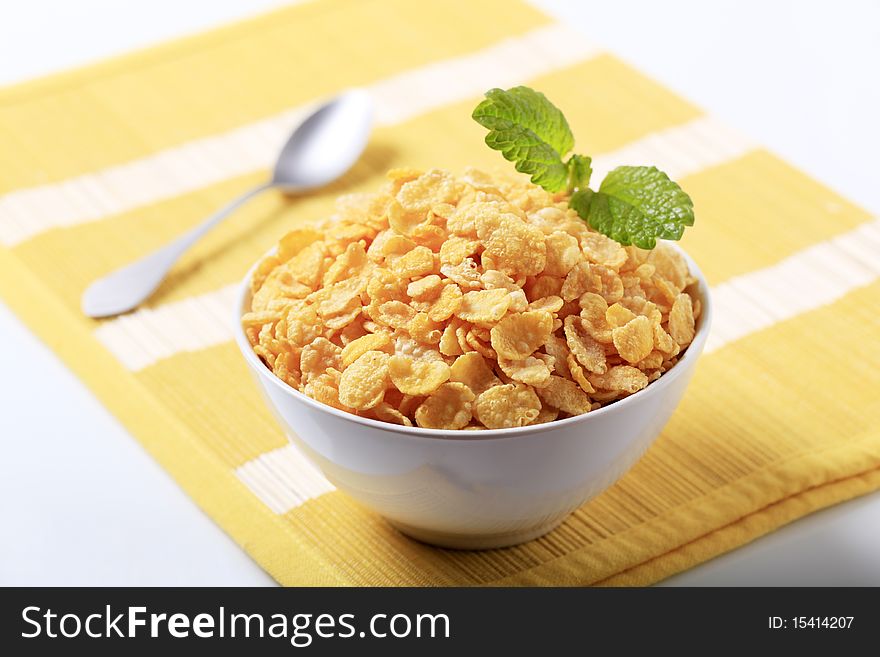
(477, 541)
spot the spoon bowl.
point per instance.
(326, 144)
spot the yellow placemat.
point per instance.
(103, 164)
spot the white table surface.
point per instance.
(91, 507)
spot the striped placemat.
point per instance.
(101, 165)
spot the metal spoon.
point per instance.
(320, 150)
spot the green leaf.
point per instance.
(527, 110)
(530, 132)
(636, 205)
(579, 172)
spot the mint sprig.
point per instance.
(633, 205)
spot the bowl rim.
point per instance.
(691, 354)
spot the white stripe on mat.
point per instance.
(283, 479)
(809, 279)
(26, 213)
(679, 151)
(147, 336)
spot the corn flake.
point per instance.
(531, 370)
(466, 273)
(565, 395)
(563, 253)
(429, 189)
(551, 304)
(516, 337)
(652, 361)
(430, 236)
(417, 377)
(622, 378)
(546, 414)
(295, 241)
(449, 407)
(447, 304)
(669, 264)
(493, 279)
(543, 286)
(324, 389)
(424, 329)
(394, 246)
(387, 413)
(663, 342)
(511, 245)
(417, 262)
(348, 264)
(471, 369)
(426, 288)
(358, 347)
(577, 373)
(486, 306)
(635, 339)
(319, 356)
(505, 406)
(307, 266)
(455, 249)
(603, 250)
(618, 315)
(681, 320)
(363, 383)
(449, 345)
(586, 350)
(578, 281)
(395, 314)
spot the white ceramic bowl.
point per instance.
(477, 489)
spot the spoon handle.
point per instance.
(126, 288)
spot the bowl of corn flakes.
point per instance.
(465, 356)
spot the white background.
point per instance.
(81, 503)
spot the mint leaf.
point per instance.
(527, 110)
(579, 171)
(636, 205)
(530, 132)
